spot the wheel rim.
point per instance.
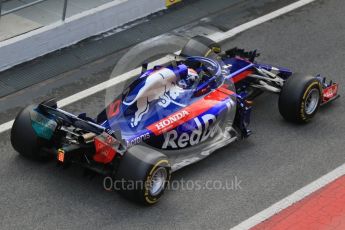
(312, 101)
(158, 181)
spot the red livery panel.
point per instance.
(189, 112)
(329, 93)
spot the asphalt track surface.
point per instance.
(278, 159)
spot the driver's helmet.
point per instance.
(188, 81)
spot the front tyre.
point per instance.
(143, 175)
(300, 98)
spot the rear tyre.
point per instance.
(200, 46)
(300, 98)
(24, 139)
(143, 175)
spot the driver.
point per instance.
(188, 81)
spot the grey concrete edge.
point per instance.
(47, 39)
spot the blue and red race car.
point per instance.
(169, 117)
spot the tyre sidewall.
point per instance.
(293, 98)
(315, 84)
(24, 139)
(150, 199)
(137, 167)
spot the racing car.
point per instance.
(168, 117)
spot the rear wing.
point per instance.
(49, 107)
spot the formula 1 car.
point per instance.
(168, 117)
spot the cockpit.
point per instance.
(201, 72)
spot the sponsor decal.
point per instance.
(109, 131)
(138, 140)
(114, 108)
(188, 113)
(174, 141)
(170, 120)
(330, 92)
(105, 146)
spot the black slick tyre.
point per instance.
(300, 98)
(143, 175)
(24, 139)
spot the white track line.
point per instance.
(95, 89)
(293, 198)
(107, 84)
(6, 126)
(217, 37)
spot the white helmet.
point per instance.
(188, 81)
(192, 75)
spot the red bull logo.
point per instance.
(160, 85)
(173, 140)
